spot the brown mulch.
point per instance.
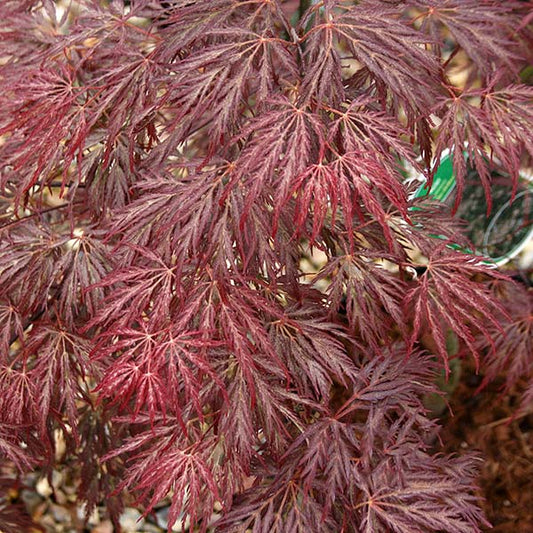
(487, 422)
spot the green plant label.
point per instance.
(502, 233)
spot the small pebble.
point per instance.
(105, 527)
(151, 528)
(60, 514)
(131, 520)
(58, 478)
(61, 497)
(31, 499)
(43, 488)
(94, 518)
(162, 521)
(60, 445)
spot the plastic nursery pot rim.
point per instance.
(443, 188)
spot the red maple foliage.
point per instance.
(165, 165)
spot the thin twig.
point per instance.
(37, 214)
(506, 420)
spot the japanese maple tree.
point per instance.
(165, 169)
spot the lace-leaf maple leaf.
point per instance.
(85, 264)
(281, 142)
(188, 473)
(237, 312)
(242, 237)
(108, 186)
(302, 339)
(485, 31)
(323, 76)
(147, 287)
(445, 296)
(127, 94)
(11, 449)
(59, 364)
(143, 221)
(512, 349)
(156, 370)
(511, 112)
(164, 463)
(19, 397)
(392, 52)
(498, 127)
(262, 421)
(347, 181)
(223, 76)
(11, 325)
(186, 25)
(382, 379)
(363, 289)
(133, 375)
(50, 129)
(237, 422)
(329, 459)
(28, 257)
(276, 507)
(432, 492)
(199, 205)
(361, 126)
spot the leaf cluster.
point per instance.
(166, 170)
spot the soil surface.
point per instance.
(486, 421)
